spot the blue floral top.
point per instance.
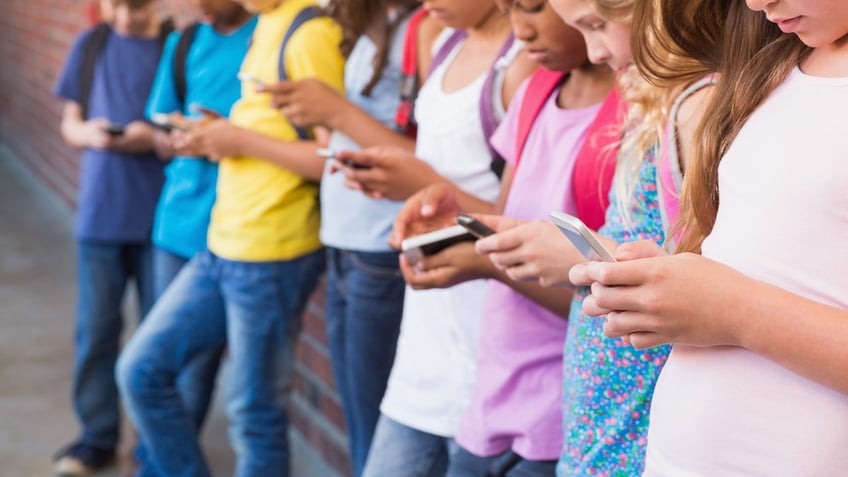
(607, 384)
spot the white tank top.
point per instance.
(433, 375)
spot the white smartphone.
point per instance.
(416, 248)
(243, 76)
(582, 238)
(326, 153)
(161, 121)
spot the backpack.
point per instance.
(93, 46)
(488, 121)
(409, 84)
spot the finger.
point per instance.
(499, 222)
(438, 198)
(645, 340)
(631, 273)
(591, 308)
(500, 242)
(640, 249)
(366, 157)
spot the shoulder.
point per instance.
(693, 108)
(318, 31)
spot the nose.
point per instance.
(521, 28)
(759, 5)
(598, 53)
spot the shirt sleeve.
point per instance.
(68, 86)
(505, 136)
(163, 94)
(313, 52)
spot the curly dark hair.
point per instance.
(359, 17)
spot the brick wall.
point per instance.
(35, 35)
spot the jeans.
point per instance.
(255, 309)
(506, 464)
(398, 450)
(363, 312)
(196, 383)
(102, 272)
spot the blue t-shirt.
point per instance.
(349, 219)
(212, 63)
(117, 192)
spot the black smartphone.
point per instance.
(416, 248)
(114, 130)
(474, 226)
(330, 154)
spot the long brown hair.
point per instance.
(360, 17)
(757, 59)
(689, 39)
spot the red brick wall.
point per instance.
(35, 35)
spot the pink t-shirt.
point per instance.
(517, 397)
(783, 219)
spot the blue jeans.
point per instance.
(398, 450)
(196, 383)
(102, 272)
(255, 309)
(363, 312)
(506, 464)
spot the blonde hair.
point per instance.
(647, 112)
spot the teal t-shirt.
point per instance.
(212, 63)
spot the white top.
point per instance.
(433, 375)
(783, 219)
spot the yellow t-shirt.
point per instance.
(264, 212)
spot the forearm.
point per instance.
(299, 157)
(806, 337)
(367, 131)
(557, 300)
(71, 131)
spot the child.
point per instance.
(209, 56)
(264, 260)
(607, 386)
(120, 179)
(432, 377)
(364, 289)
(512, 426)
(755, 384)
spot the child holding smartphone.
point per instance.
(364, 289)
(755, 384)
(513, 423)
(432, 377)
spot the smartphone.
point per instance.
(114, 130)
(582, 238)
(418, 247)
(330, 154)
(161, 121)
(474, 226)
(242, 76)
(204, 110)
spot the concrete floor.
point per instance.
(37, 296)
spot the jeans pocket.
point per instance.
(378, 264)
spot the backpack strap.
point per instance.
(165, 28)
(446, 49)
(302, 17)
(594, 165)
(180, 58)
(540, 86)
(669, 176)
(94, 44)
(405, 115)
(488, 118)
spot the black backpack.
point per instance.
(93, 47)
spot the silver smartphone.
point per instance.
(416, 248)
(243, 76)
(582, 238)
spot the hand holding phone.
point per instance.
(420, 246)
(474, 226)
(583, 239)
